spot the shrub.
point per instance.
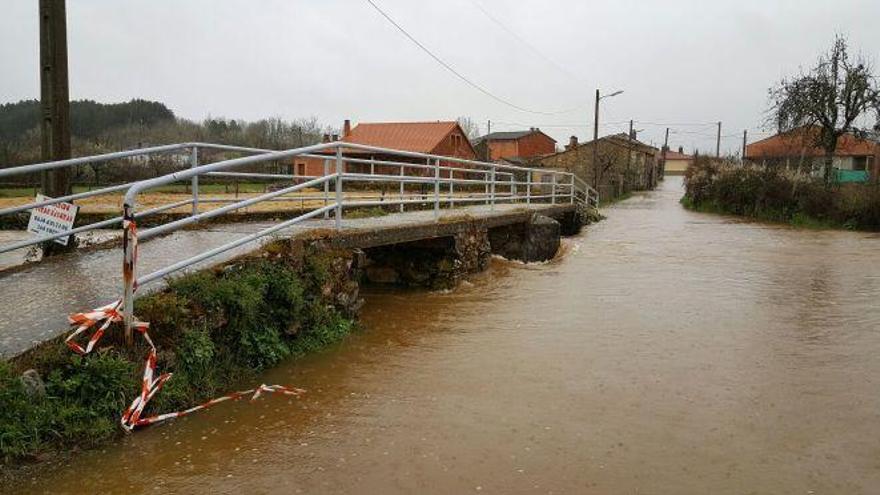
(213, 329)
(83, 401)
(778, 194)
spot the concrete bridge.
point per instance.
(484, 207)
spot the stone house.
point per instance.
(623, 164)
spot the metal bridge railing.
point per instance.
(424, 180)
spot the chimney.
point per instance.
(681, 149)
(346, 129)
(325, 138)
(572, 143)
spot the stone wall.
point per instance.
(615, 174)
(438, 263)
(537, 240)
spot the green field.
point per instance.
(243, 187)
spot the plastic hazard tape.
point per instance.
(103, 317)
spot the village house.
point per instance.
(517, 147)
(855, 160)
(676, 162)
(444, 138)
(624, 164)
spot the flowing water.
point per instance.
(666, 352)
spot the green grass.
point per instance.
(376, 211)
(215, 330)
(798, 219)
(243, 187)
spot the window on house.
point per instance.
(860, 163)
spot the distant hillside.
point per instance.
(88, 118)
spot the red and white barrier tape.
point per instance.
(103, 317)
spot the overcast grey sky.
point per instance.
(678, 61)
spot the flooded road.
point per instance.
(667, 352)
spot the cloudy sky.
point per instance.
(681, 63)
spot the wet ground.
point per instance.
(667, 352)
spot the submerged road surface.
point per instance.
(666, 352)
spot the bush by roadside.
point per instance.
(214, 329)
(778, 194)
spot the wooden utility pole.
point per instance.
(663, 153)
(629, 147)
(488, 131)
(54, 95)
(745, 139)
(718, 142)
(596, 142)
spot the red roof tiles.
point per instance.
(420, 137)
(801, 143)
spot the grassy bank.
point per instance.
(215, 330)
(204, 188)
(779, 195)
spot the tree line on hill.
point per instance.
(102, 128)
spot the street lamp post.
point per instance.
(596, 134)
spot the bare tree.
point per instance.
(828, 100)
(470, 128)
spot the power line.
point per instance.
(525, 42)
(459, 74)
(562, 125)
(678, 124)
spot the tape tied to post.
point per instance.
(151, 383)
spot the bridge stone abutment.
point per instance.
(535, 240)
(438, 263)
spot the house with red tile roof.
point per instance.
(444, 138)
(797, 149)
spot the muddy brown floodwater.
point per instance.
(667, 352)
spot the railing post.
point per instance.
(338, 215)
(529, 187)
(129, 258)
(492, 190)
(436, 189)
(372, 165)
(486, 178)
(513, 187)
(553, 190)
(326, 188)
(401, 187)
(571, 190)
(194, 162)
(451, 189)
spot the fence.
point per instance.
(442, 180)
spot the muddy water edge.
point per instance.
(665, 352)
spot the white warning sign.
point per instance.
(52, 219)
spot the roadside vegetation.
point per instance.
(780, 195)
(833, 99)
(215, 330)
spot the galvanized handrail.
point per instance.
(500, 170)
(501, 183)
